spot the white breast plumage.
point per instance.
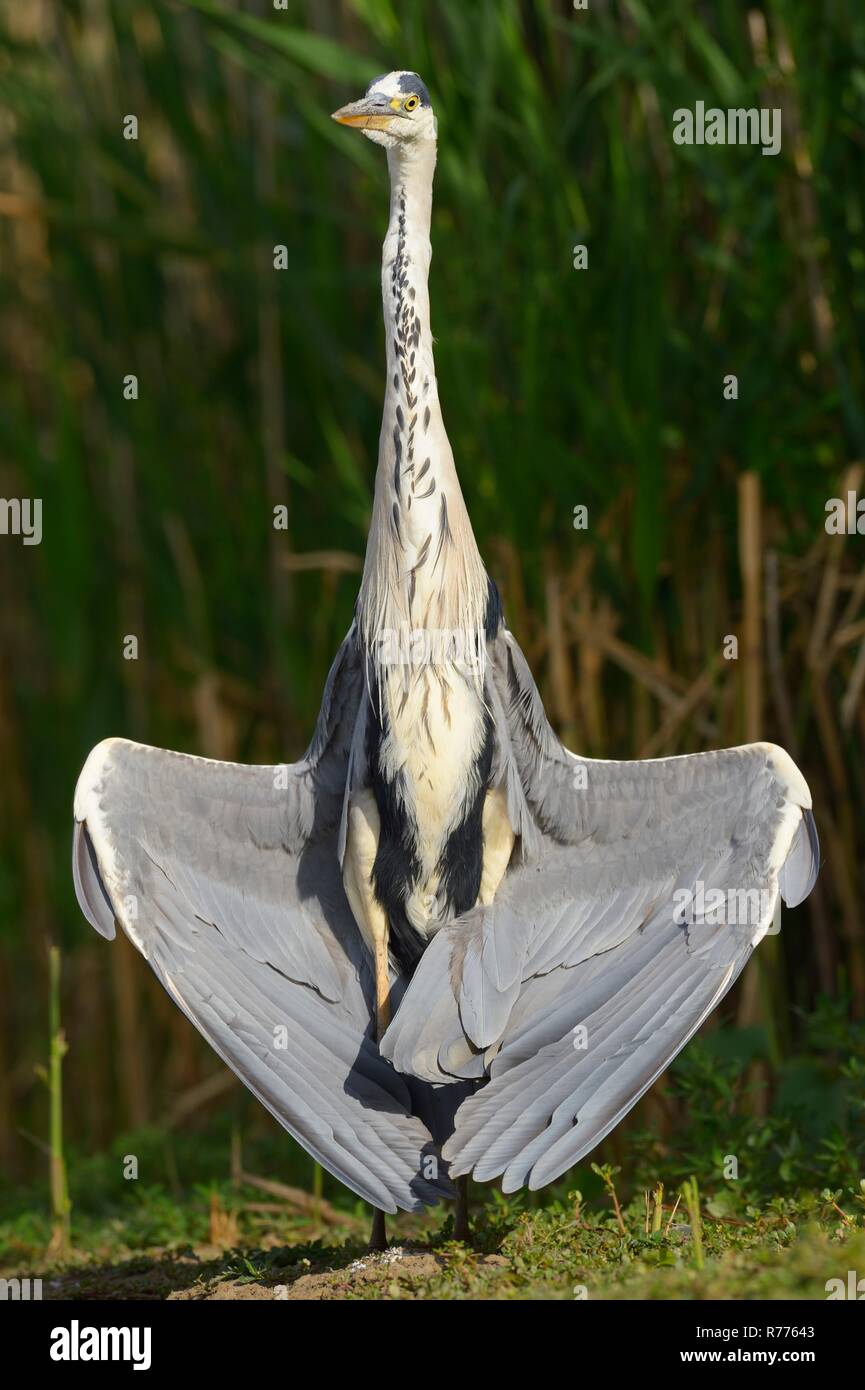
(435, 729)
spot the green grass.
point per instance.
(788, 1248)
(673, 1220)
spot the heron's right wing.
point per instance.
(227, 880)
(646, 889)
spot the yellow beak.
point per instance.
(370, 113)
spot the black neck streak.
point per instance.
(410, 483)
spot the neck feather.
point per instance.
(423, 569)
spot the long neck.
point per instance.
(423, 569)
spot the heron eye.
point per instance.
(410, 103)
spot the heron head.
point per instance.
(394, 110)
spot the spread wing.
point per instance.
(226, 878)
(643, 889)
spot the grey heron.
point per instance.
(441, 944)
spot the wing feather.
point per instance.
(600, 956)
(226, 878)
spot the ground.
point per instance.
(789, 1250)
(743, 1193)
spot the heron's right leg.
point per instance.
(461, 1211)
(364, 828)
(361, 847)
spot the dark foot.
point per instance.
(378, 1234)
(461, 1210)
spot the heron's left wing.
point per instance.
(226, 878)
(647, 887)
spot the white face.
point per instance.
(396, 109)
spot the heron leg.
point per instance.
(361, 847)
(498, 840)
(461, 1210)
(378, 1234)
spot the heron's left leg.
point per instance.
(378, 1234)
(498, 842)
(360, 851)
(364, 826)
